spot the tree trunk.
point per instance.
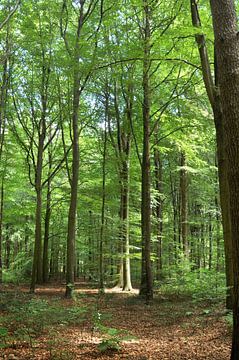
(127, 286)
(184, 205)
(146, 286)
(1, 227)
(227, 52)
(37, 256)
(215, 100)
(102, 226)
(158, 169)
(70, 262)
(224, 202)
(46, 233)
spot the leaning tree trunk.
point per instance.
(227, 51)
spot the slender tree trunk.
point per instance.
(37, 256)
(127, 286)
(7, 247)
(90, 246)
(210, 234)
(102, 226)
(70, 262)
(158, 169)
(47, 233)
(184, 205)
(227, 52)
(1, 228)
(146, 286)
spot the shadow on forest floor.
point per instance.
(47, 326)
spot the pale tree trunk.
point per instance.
(127, 286)
(146, 286)
(122, 148)
(227, 51)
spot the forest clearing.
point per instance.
(119, 170)
(172, 327)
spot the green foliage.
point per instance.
(28, 317)
(199, 284)
(112, 338)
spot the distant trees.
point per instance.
(109, 168)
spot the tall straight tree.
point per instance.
(214, 97)
(84, 11)
(146, 286)
(227, 51)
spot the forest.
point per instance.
(119, 179)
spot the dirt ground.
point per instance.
(171, 328)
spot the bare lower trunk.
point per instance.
(127, 286)
(1, 227)
(70, 259)
(46, 233)
(158, 210)
(184, 205)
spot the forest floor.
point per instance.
(47, 326)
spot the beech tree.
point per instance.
(227, 51)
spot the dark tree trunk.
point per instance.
(1, 228)
(47, 231)
(158, 169)
(227, 52)
(70, 261)
(146, 286)
(102, 226)
(215, 101)
(184, 204)
(7, 247)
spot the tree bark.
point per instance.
(1, 228)
(102, 226)
(184, 204)
(158, 169)
(215, 100)
(47, 226)
(227, 52)
(146, 286)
